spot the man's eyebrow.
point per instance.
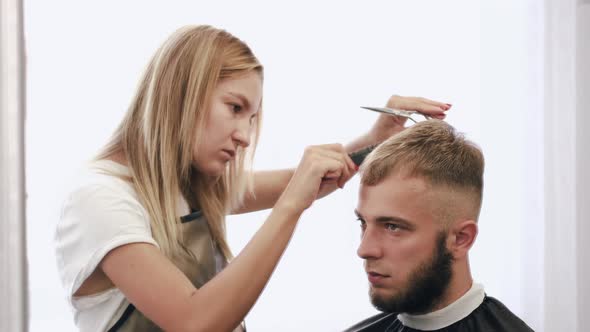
(358, 214)
(241, 97)
(397, 220)
(388, 219)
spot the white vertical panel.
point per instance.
(583, 159)
(561, 291)
(13, 275)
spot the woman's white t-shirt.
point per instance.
(100, 213)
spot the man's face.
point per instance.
(403, 244)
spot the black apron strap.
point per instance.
(194, 215)
(128, 311)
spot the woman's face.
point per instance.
(234, 105)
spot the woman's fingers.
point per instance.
(337, 151)
(436, 103)
(439, 116)
(347, 166)
(429, 106)
(420, 104)
(341, 154)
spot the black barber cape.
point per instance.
(473, 312)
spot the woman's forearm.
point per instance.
(225, 300)
(268, 187)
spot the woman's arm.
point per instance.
(268, 185)
(167, 297)
(164, 294)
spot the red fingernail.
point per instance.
(450, 105)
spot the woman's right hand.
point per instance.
(321, 165)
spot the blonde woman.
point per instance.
(141, 240)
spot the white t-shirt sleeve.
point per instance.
(95, 219)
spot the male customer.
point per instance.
(418, 207)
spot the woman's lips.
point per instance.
(229, 154)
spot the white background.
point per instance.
(322, 61)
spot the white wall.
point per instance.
(322, 61)
(512, 83)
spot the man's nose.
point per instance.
(369, 247)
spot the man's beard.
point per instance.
(426, 284)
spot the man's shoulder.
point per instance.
(378, 322)
(496, 314)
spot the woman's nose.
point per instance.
(242, 134)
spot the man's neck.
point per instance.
(460, 283)
(449, 315)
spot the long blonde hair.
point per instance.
(165, 120)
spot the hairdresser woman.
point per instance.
(141, 240)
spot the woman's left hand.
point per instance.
(388, 125)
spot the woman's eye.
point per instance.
(252, 118)
(236, 108)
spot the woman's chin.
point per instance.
(213, 169)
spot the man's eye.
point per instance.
(392, 227)
(363, 224)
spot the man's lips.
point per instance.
(376, 278)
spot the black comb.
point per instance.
(359, 156)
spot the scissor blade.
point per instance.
(390, 111)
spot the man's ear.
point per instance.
(462, 237)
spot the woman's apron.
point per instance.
(210, 261)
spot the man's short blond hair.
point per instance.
(434, 151)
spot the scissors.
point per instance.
(396, 112)
(359, 156)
